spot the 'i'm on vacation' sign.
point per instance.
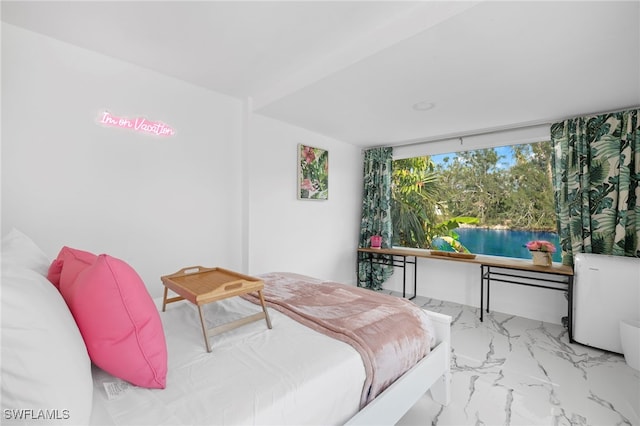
(138, 124)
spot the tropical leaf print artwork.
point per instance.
(313, 173)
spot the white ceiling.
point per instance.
(353, 70)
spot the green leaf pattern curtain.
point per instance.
(595, 171)
(376, 213)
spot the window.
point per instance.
(486, 201)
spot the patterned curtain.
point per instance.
(376, 213)
(596, 170)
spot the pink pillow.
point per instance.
(69, 263)
(118, 321)
(54, 272)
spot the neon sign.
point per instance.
(138, 124)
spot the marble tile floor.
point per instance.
(510, 370)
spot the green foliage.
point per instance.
(414, 194)
(477, 189)
(314, 172)
(418, 216)
(473, 188)
(445, 231)
(454, 244)
(529, 203)
(516, 197)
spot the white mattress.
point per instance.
(287, 375)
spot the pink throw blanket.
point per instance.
(391, 334)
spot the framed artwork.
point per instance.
(313, 173)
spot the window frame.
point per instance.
(490, 139)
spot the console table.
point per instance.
(393, 257)
(499, 269)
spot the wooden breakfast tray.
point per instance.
(452, 254)
(205, 285)
(201, 285)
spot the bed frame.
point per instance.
(432, 373)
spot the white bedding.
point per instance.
(287, 375)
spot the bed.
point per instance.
(288, 375)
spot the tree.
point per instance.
(418, 216)
(475, 184)
(415, 192)
(517, 196)
(530, 205)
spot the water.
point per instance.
(504, 242)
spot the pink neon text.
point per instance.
(139, 124)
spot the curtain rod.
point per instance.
(499, 129)
(463, 135)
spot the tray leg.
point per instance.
(164, 299)
(264, 309)
(204, 329)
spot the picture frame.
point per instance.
(313, 173)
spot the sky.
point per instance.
(505, 151)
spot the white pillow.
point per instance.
(45, 370)
(19, 249)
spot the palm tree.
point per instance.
(418, 216)
(414, 207)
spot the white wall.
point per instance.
(317, 238)
(460, 283)
(221, 192)
(157, 203)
